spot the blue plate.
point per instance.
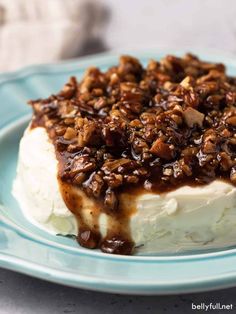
(26, 249)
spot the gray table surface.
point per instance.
(20, 294)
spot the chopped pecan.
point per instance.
(70, 133)
(162, 150)
(231, 120)
(82, 164)
(113, 165)
(192, 117)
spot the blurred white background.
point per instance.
(33, 31)
(172, 23)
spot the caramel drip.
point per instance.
(87, 219)
(118, 236)
(118, 239)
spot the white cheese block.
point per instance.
(189, 218)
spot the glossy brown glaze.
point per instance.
(129, 130)
(117, 239)
(89, 234)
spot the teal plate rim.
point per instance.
(24, 249)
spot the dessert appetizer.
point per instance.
(135, 159)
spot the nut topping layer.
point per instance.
(134, 128)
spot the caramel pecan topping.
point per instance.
(156, 127)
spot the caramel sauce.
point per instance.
(132, 130)
(89, 234)
(117, 239)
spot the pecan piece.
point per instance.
(162, 150)
(192, 117)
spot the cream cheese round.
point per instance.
(189, 218)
